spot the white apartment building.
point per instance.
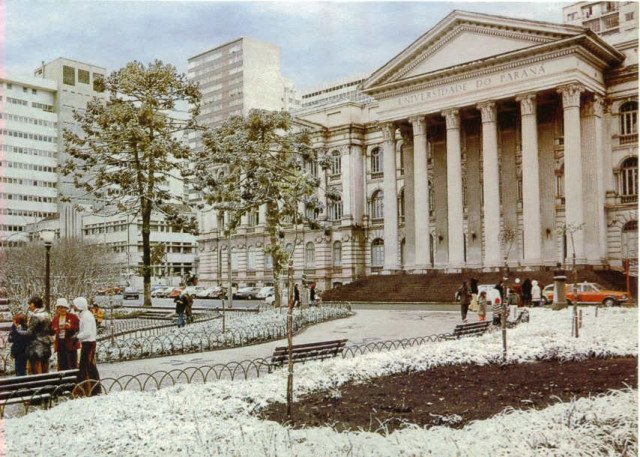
(603, 18)
(29, 136)
(484, 124)
(123, 234)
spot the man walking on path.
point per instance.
(464, 296)
(181, 306)
(88, 377)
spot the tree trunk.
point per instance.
(290, 345)
(146, 253)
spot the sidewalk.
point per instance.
(365, 326)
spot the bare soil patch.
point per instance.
(456, 394)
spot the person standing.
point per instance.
(296, 296)
(536, 293)
(482, 306)
(88, 377)
(464, 297)
(181, 305)
(526, 292)
(39, 331)
(312, 294)
(188, 309)
(473, 288)
(66, 326)
(20, 341)
(496, 303)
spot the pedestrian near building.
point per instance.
(526, 292)
(482, 306)
(181, 306)
(536, 293)
(40, 332)
(514, 294)
(19, 340)
(66, 344)
(88, 377)
(296, 296)
(188, 309)
(496, 304)
(312, 294)
(464, 297)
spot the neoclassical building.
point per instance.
(487, 140)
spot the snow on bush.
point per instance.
(219, 418)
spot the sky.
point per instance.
(320, 42)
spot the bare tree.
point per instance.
(77, 269)
(508, 236)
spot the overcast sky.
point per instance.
(319, 42)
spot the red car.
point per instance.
(175, 293)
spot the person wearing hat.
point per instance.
(66, 344)
(87, 336)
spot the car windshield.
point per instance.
(598, 286)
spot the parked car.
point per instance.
(175, 292)
(162, 292)
(193, 290)
(265, 292)
(109, 290)
(246, 293)
(130, 292)
(284, 297)
(207, 292)
(588, 293)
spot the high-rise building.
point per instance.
(603, 18)
(29, 136)
(77, 83)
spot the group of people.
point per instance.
(527, 294)
(33, 334)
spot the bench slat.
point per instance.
(308, 351)
(36, 377)
(307, 345)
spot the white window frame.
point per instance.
(377, 253)
(629, 177)
(376, 160)
(337, 254)
(310, 255)
(377, 205)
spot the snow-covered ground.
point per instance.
(218, 418)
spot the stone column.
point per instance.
(454, 190)
(592, 172)
(421, 192)
(347, 211)
(390, 201)
(409, 191)
(530, 181)
(491, 185)
(573, 188)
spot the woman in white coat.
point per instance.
(88, 378)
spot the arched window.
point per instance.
(377, 205)
(335, 209)
(377, 253)
(629, 178)
(337, 254)
(401, 204)
(309, 255)
(376, 160)
(251, 259)
(629, 119)
(336, 163)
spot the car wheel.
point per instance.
(249, 297)
(609, 302)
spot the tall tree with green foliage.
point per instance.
(130, 144)
(261, 160)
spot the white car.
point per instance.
(265, 292)
(208, 292)
(162, 292)
(193, 290)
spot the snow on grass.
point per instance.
(219, 418)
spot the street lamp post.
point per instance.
(47, 236)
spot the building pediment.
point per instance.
(464, 37)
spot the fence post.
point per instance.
(580, 318)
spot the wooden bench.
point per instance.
(305, 352)
(471, 329)
(36, 389)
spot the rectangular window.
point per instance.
(629, 16)
(68, 75)
(83, 76)
(98, 82)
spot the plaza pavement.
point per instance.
(367, 325)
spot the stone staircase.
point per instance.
(441, 287)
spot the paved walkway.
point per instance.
(367, 325)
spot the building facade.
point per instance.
(603, 18)
(489, 141)
(29, 135)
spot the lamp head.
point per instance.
(47, 236)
